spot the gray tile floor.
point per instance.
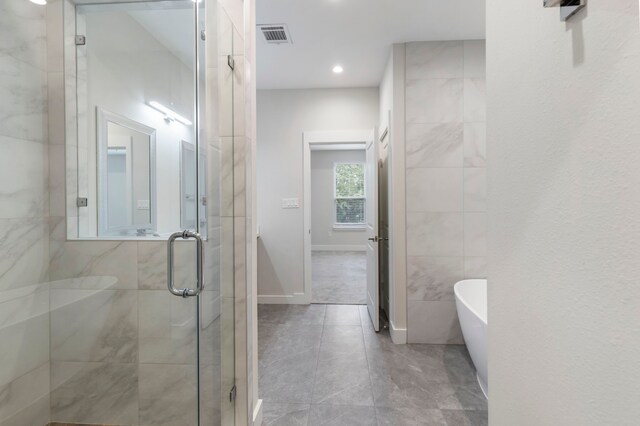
(339, 277)
(325, 365)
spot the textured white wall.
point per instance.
(564, 197)
(283, 116)
(323, 207)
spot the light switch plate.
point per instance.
(290, 203)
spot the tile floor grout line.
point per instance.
(315, 373)
(366, 355)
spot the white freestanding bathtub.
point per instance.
(471, 303)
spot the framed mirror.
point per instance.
(126, 176)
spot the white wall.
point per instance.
(564, 197)
(323, 234)
(283, 116)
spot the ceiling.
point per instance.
(356, 34)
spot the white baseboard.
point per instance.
(286, 299)
(351, 247)
(398, 335)
(257, 414)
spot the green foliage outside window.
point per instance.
(350, 193)
(349, 180)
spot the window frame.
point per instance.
(349, 226)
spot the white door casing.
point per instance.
(371, 170)
(312, 140)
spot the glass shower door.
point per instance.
(125, 349)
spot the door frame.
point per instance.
(312, 141)
(373, 230)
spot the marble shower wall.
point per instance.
(103, 341)
(24, 215)
(237, 146)
(237, 212)
(445, 181)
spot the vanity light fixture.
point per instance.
(169, 114)
(39, 2)
(338, 69)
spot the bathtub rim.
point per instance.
(457, 289)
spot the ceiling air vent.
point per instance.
(275, 33)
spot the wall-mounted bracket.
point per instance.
(568, 8)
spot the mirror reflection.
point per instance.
(135, 96)
(127, 176)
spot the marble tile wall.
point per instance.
(445, 182)
(240, 216)
(102, 340)
(24, 214)
(236, 144)
(245, 126)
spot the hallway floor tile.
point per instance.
(325, 365)
(339, 277)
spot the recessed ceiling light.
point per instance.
(338, 69)
(39, 2)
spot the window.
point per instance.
(349, 194)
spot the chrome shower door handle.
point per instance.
(186, 292)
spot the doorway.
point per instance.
(338, 233)
(341, 273)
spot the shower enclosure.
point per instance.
(116, 235)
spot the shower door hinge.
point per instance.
(81, 40)
(82, 201)
(232, 394)
(231, 62)
(203, 35)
